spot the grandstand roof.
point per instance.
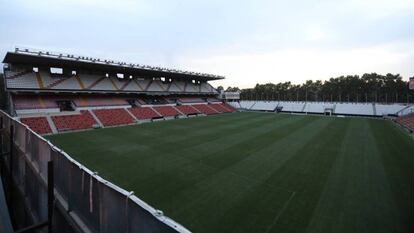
(51, 59)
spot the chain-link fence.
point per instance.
(44, 185)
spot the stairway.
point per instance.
(96, 118)
(304, 106)
(51, 124)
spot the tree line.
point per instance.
(371, 87)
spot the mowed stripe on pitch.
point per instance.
(260, 172)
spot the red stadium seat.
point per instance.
(204, 108)
(187, 109)
(110, 117)
(38, 124)
(219, 107)
(167, 111)
(406, 121)
(144, 113)
(228, 107)
(74, 122)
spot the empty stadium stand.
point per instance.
(94, 101)
(144, 113)
(235, 105)
(407, 121)
(228, 107)
(405, 111)
(167, 111)
(220, 108)
(212, 100)
(21, 79)
(291, 106)
(84, 120)
(247, 104)
(359, 109)
(187, 109)
(315, 107)
(204, 108)
(354, 109)
(54, 93)
(153, 100)
(264, 106)
(33, 102)
(111, 117)
(191, 100)
(388, 109)
(38, 124)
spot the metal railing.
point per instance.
(48, 190)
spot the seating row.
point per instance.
(407, 121)
(84, 120)
(118, 116)
(38, 124)
(21, 79)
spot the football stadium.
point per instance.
(95, 145)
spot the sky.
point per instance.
(248, 42)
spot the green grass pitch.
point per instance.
(259, 172)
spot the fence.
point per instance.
(49, 190)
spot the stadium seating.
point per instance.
(363, 109)
(167, 111)
(228, 107)
(33, 102)
(354, 109)
(388, 109)
(93, 101)
(406, 121)
(235, 105)
(264, 106)
(191, 100)
(140, 101)
(191, 87)
(153, 100)
(158, 86)
(221, 108)
(206, 88)
(84, 120)
(291, 106)
(171, 100)
(187, 109)
(144, 113)
(23, 79)
(407, 110)
(315, 107)
(38, 124)
(110, 117)
(247, 104)
(48, 101)
(204, 108)
(212, 100)
(216, 107)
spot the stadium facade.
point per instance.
(48, 93)
(54, 92)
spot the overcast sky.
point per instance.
(249, 42)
